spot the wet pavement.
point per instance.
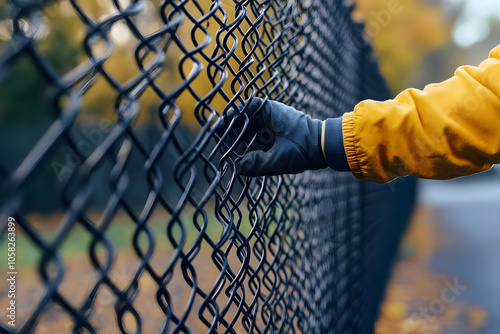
(468, 214)
(447, 280)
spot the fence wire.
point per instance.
(283, 254)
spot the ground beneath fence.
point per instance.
(76, 285)
(432, 290)
(80, 276)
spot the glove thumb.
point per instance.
(271, 162)
(252, 164)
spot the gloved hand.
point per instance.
(294, 141)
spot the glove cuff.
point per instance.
(332, 144)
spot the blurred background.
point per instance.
(446, 278)
(447, 274)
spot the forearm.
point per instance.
(447, 130)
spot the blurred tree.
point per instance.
(402, 33)
(60, 42)
(23, 92)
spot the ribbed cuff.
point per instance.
(333, 144)
(350, 145)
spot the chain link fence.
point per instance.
(124, 148)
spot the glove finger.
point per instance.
(225, 121)
(238, 118)
(253, 106)
(257, 131)
(250, 107)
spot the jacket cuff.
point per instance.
(350, 145)
(333, 144)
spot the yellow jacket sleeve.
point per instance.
(447, 130)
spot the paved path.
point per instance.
(468, 214)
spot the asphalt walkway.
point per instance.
(468, 212)
(448, 278)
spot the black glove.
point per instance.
(285, 140)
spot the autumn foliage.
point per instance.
(402, 33)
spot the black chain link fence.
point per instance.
(280, 254)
